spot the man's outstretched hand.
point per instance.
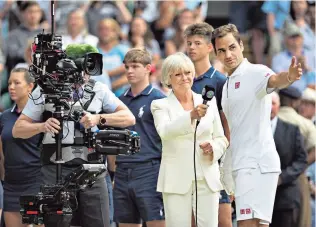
(295, 70)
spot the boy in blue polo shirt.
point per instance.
(198, 47)
(136, 199)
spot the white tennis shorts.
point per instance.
(255, 194)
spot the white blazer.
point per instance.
(174, 126)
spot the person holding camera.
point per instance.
(22, 158)
(175, 119)
(93, 205)
(135, 197)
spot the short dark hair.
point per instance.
(27, 75)
(26, 4)
(138, 55)
(223, 31)
(200, 29)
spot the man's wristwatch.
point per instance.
(102, 121)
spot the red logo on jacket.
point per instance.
(237, 84)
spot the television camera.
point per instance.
(55, 71)
(58, 75)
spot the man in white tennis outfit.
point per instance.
(251, 167)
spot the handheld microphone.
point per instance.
(208, 93)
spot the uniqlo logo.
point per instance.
(268, 74)
(242, 211)
(248, 211)
(237, 84)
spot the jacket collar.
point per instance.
(197, 99)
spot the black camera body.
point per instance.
(116, 142)
(107, 140)
(54, 71)
(47, 52)
(59, 199)
(35, 207)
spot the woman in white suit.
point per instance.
(175, 120)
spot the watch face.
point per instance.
(102, 121)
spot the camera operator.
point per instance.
(93, 204)
(136, 199)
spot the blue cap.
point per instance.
(291, 92)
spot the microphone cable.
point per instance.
(208, 93)
(195, 180)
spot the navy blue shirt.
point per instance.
(149, 139)
(212, 78)
(21, 156)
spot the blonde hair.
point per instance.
(112, 23)
(175, 63)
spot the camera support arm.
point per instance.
(59, 114)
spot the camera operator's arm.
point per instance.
(118, 115)
(25, 127)
(122, 117)
(30, 121)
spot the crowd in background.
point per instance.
(272, 32)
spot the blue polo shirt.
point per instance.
(212, 78)
(21, 156)
(149, 139)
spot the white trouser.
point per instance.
(178, 207)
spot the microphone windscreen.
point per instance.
(208, 92)
(75, 51)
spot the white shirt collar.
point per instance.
(240, 67)
(274, 122)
